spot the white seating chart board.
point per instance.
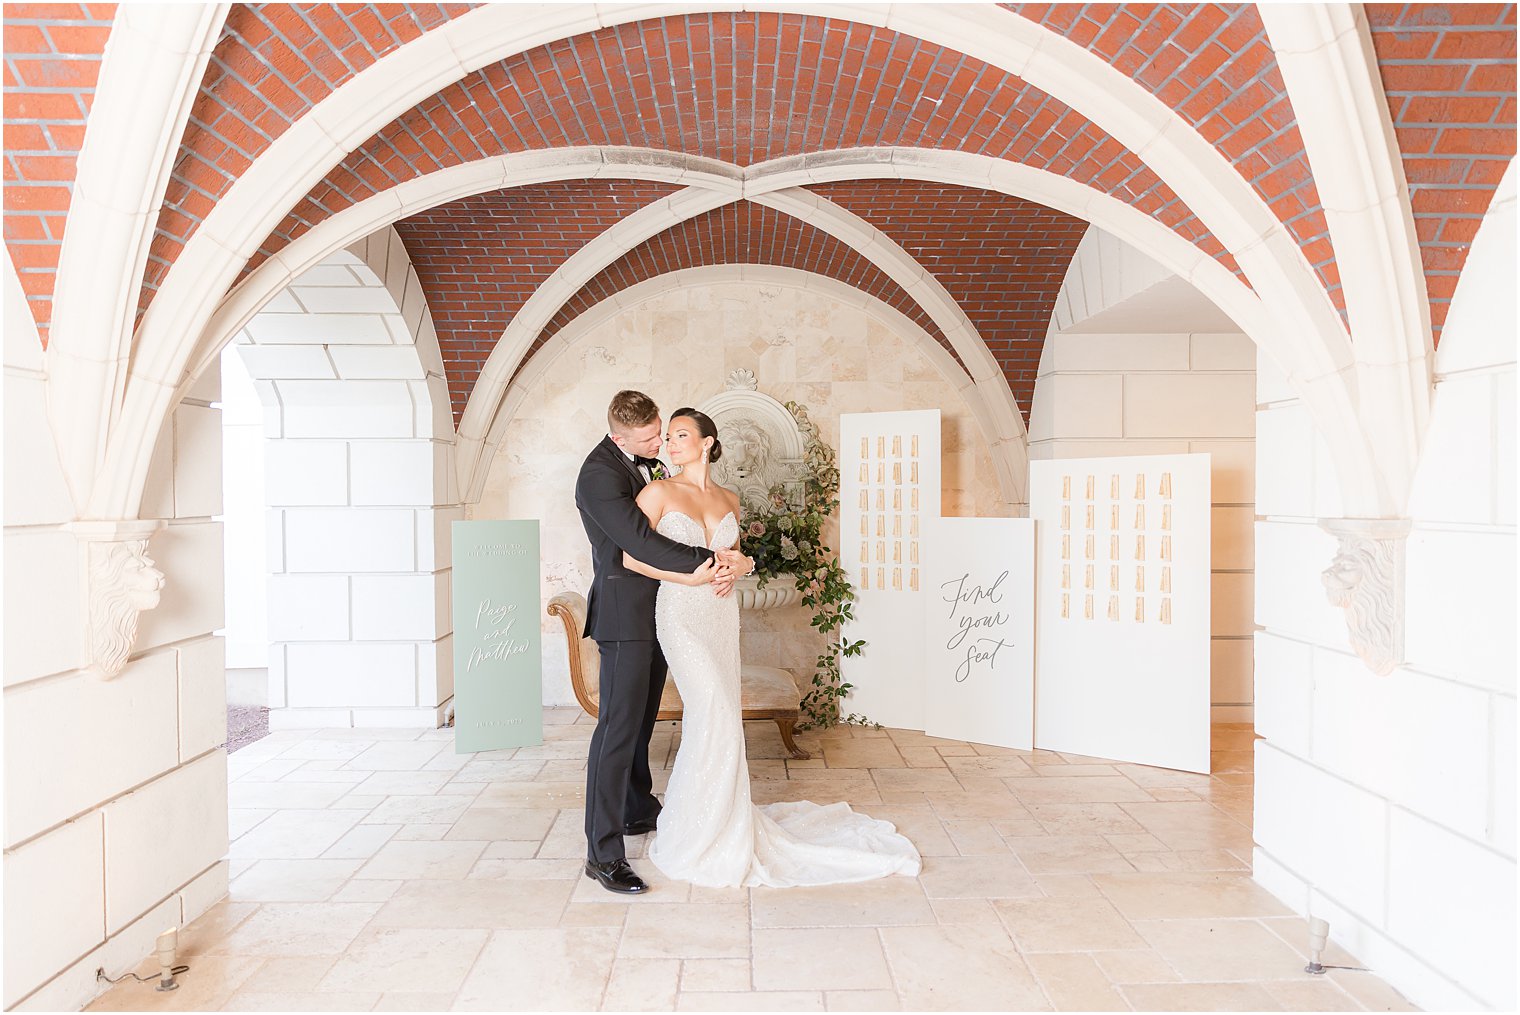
(1123, 587)
(889, 474)
(979, 625)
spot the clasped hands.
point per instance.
(721, 571)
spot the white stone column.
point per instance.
(361, 494)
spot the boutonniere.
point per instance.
(657, 470)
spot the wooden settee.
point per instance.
(765, 692)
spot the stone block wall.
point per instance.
(1386, 805)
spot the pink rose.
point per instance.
(757, 529)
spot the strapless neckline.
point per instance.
(698, 524)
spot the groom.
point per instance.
(620, 617)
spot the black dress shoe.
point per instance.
(641, 827)
(616, 876)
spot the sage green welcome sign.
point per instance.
(498, 669)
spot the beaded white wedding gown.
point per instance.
(709, 831)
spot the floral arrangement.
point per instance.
(785, 538)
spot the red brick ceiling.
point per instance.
(743, 88)
(741, 233)
(52, 61)
(481, 257)
(1002, 259)
(1449, 74)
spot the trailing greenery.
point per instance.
(785, 538)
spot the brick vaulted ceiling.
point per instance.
(746, 87)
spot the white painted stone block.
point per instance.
(1502, 766)
(308, 607)
(440, 412)
(288, 362)
(356, 540)
(325, 275)
(1455, 479)
(1354, 716)
(1272, 383)
(1453, 902)
(1329, 832)
(190, 556)
(1223, 351)
(435, 537)
(1284, 672)
(35, 491)
(377, 361)
(1080, 405)
(43, 604)
(1230, 604)
(392, 607)
(322, 300)
(1118, 353)
(1480, 327)
(1289, 597)
(158, 485)
(160, 836)
(309, 719)
(1460, 589)
(1232, 479)
(277, 676)
(1188, 405)
(351, 675)
(1285, 461)
(197, 461)
(54, 903)
(329, 329)
(1505, 456)
(306, 473)
(202, 697)
(1232, 535)
(393, 472)
(274, 540)
(1440, 750)
(1230, 671)
(352, 409)
(94, 738)
(396, 718)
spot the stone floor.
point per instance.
(377, 870)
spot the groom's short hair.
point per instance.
(630, 410)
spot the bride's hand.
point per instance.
(703, 574)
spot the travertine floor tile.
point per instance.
(1222, 950)
(686, 931)
(1073, 982)
(754, 1001)
(643, 985)
(378, 868)
(488, 905)
(540, 970)
(837, 958)
(861, 1000)
(403, 958)
(248, 1000)
(297, 928)
(1199, 997)
(715, 974)
(1183, 896)
(989, 973)
(887, 902)
(292, 880)
(975, 877)
(405, 860)
(1066, 925)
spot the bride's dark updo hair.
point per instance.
(706, 427)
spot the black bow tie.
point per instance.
(648, 463)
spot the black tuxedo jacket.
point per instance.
(621, 604)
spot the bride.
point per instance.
(709, 832)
